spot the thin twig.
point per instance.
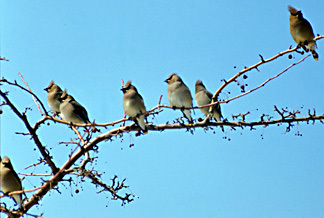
(31, 92)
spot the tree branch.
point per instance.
(32, 132)
(255, 66)
(84, 146)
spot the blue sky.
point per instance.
(89, 48)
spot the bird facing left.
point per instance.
(134, 105)
(54, 93)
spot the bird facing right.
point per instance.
(71, 110)
(9, 180)
(302, 31)
(54, 93)
(204, 97)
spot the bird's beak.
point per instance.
(167, 81)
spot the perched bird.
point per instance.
(9, 180)
(54, 93)
(134, 105)
(71, 110)
(203, 97)
(179, 95)
(301, 31)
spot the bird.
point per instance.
(134, 105)
(203, 97)
(302, 31)
(9, 180)
(179, 95)
(54, 93)
(71, 110)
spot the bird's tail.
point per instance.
(315, 55)
(140, 121)
(312, 46)
(217, 114)
(18, 199)
(187, 115)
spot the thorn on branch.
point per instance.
(241, 115)
(262, 60)
(290, 125)
(224, 80)
(312, 114)
(293, 114)
(262, 116)
(277, 110)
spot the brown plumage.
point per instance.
(9, 180)
(203, 97)
(302, 31)
(71, 110)
(179, 95)
(54, 93)
(134, 105)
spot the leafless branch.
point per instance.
(89, 142)
(114, 189)
(37, 141)
(3, 80)
(22, 78)
(255, 66)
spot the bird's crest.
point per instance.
(292, 10)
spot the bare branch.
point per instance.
(88, 142)
(30, 92)
(39, 145)
(113, 189)
(255, 66)
(32, 95)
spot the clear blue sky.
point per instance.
(89, 47)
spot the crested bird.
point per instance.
(54, 93)
(302, 31)
(9, 180)
(134, 105)
(179, 95)
(204, 97)
(71, 110)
